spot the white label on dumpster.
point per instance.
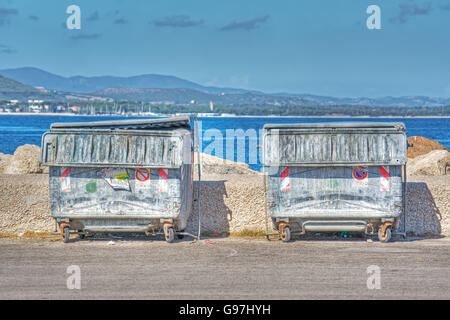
(65, 180)
(360, 177)
(142, 179)
(116, 178)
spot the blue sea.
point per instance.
(19, 130)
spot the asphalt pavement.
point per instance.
(225, 268)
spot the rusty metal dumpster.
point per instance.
(120, 176)
(338, 176)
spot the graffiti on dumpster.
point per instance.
(116, 178)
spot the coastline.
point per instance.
(65, 114)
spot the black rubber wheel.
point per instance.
(66, 234)
(180, 236)
(170, 235)
(386, 237)
(81, 235)
(286, 234)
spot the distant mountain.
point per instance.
(407, 101)
(185, 96)
(170, 89)
(11, 86)
(79, 84)
(188, 96)
(12, 89)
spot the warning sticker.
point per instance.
(163, 180)
(285, 183)
(65, 180)
(116, 178)
(360, 177)
(142, 178)
(384, 179)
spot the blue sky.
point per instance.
(318, 47)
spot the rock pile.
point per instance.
(422, 145)
(26, 160)
(434, 163)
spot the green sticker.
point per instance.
(333, 183)
(91, 187)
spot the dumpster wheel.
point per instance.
(285, 232)
(385, 232)
(169, 233)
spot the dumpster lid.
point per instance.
(142, 124)
(339, 125)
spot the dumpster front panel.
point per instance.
(356, 192)
(114, 193)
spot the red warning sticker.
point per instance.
(142, 179)
(163, 180)
(142, 174)
(360, 173)
(65, 180)
(384, 179)
(360, 177)
(285, 182)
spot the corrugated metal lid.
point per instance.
(339, 125)
(163, 123)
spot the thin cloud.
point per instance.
(95, 16)
(33, 18)
(85, 36)
(177, 21)
(7, 50)
(445, 7)
(5, 14)
(410, 10)
(121, 21)
(246, 24)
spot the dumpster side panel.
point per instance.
(372, 192)
(114, 193)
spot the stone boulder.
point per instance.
(26, 159)
(434, 163)
(5, 159)
(422, 145)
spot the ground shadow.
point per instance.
(422, 215)
(215, 215)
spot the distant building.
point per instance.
(34, 108)
(75, 109)
(35, 101)
(211, 106)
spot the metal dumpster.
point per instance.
(120, 176)
(337, 176)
